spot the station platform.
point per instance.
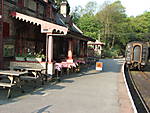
(89, 91)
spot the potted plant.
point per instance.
(20, 57)
(36, 57)
(30, 57)
(40, 56)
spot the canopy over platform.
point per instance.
(46, 27)
(96, 43)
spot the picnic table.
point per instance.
(36, 72)
(64, 65)
(11, 75)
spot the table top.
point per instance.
(12, 73)
(28, 68)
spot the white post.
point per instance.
(50, 55)
(70, 52)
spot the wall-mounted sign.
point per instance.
(44, 30)
(8, 50)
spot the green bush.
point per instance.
(111, 53)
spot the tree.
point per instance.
(89, 25)
(77, 13)
(141, 26)
(111, 16)
(90, 8)
(86, 21)
(112, 25)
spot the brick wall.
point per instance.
(1, 52)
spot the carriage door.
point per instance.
(137, 53)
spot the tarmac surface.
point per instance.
(89, 91)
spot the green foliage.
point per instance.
(89, 25)
(90, 8)
(36, 55)
(112, 16)
(111, 53)
(112, 26)
(58, 2)
(39, 55)
(21, 55)
(141, 27)
(77, 13)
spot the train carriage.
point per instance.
(136, 55)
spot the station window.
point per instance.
(20, 3)
(32, 5)
(14, 0)
(41, 9)
(5, 29)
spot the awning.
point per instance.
(46, 27)
(75, 35)
(96, 43)
(80, 36)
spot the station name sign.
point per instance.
(45, 30)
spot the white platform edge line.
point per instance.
(129, 94)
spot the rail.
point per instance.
(141, 106)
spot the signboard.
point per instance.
(8, 50)
(44, 30)
(99, 66)
(8, 47)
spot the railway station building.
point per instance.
(36, 28)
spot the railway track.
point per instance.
(139, 86)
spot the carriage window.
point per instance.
(137, 52)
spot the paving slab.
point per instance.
(89, 91)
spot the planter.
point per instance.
(20, 58)
(34, 59)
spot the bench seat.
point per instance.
(6, 84)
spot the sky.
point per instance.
(133, 7)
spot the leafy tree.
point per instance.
(112, 17)
(141, 26)
(90, 8)
(77, 13)
(89, 25)
(86, 21)
(112, 26)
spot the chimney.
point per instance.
(63, 8)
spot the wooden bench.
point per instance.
(6, 84)
(10, 75)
